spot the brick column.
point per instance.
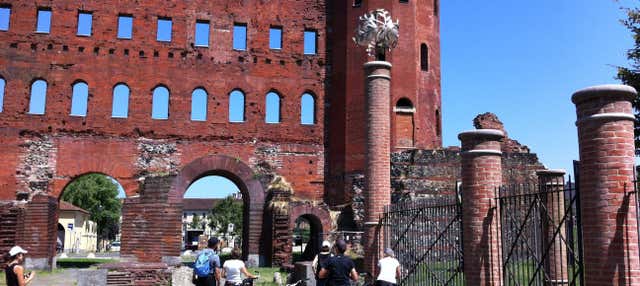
(551, 183)
(481, 175)
(37, 231)
(610, 232)
(378, 170)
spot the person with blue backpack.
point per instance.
(206, 270)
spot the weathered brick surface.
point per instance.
(481, 175)
(377, 172)
(609, 215)
(346, 141)
(42, 153)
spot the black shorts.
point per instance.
(209, 280)
(384, 283)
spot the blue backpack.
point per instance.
(203, 266)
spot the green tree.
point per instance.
(227, 211)
(196, 222)
(98, 194)
(631, 75)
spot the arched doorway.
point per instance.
(213, 207)
(310, 225)
(253, 197)
(307, 238)
(89, 214)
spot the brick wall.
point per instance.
(10, 216)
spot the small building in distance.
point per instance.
(76, 232)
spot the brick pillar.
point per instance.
(481, 175)
(610, 232)
(37, 231)
(378, 170)
(551, 184)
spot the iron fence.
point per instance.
(541, 234)
(426, 237)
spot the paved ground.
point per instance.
(63, 277)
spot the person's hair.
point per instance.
(341, 246)
(325, 248)
(212, 242)
(236, 254)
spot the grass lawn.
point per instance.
(81, 262)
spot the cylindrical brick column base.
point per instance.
(609, 222)
(378, 170)
(481, 175)
(551, 184)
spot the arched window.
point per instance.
(2, 84)
(404, 104)
(236, 106)
(79, 99)
(273, 108)
(424, 57)
(307, 109)
(199, 105)
(38, 98)
(120, 101)
(160, 104)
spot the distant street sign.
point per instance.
(70, 226)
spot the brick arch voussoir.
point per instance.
(234, 169)
(321, 214)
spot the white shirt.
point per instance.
(233, 268)
(388, 266)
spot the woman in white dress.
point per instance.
(233, 269)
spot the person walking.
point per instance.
(207, 266)
(339, 268)
(233, 268)
(14, 271)
(389, 269)
(319, 261)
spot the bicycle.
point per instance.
(298, 283)
(364, 279)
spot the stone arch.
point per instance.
(320, 221)
(253, 196)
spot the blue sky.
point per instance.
(522, 60)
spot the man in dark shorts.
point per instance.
(339, 269)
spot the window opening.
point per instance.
(79, 99)
(38, 98)
(202, 33)
(120, 101)
(160, 104)
(199, 105)
(310, 41)
(275, 38)
(272, 108)
(164, 30)
(85, 20)
(2, 85)
(125, 27)
(44, 20)
(5, 17)
(424, 57)
(240, 37)
(236, 106)
(307, 109)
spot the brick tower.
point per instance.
(415, 95)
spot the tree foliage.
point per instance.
(631, 75)
(196, 222)
(98, 194)
(227, 211)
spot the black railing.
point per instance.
(426, 236)
(541, 234)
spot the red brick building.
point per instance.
(45, 146)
